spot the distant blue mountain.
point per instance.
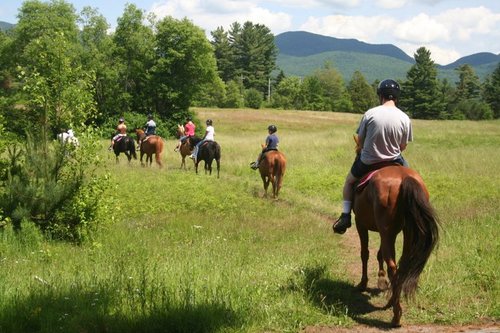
(303, 44)
(4, 26)
(301, 53)
(476, 59)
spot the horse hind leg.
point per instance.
(382, 282)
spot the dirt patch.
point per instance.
(483, 327)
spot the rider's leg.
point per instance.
(344, 221)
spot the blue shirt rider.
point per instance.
(271, 144)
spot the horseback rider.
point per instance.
(209, 136)
(271, 144)
(384, 132)
(150, 127)
(121, 131)
(189, 129)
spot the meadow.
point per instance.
(193, 253)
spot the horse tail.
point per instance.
(132, 149)
(420, 236)
(279, 170)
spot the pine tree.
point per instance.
(421, 89)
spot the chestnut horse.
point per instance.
(395, 199)
(272, 170)
(185, 148)
(152, 144)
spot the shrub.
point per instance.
(55, 186)
(253, 98)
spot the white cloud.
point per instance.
(212, 14)
(391, 4)
(421, 29)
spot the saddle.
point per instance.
(363, 181)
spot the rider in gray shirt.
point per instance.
(384, 132)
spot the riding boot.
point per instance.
(254, 165)
(343, 222)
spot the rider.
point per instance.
(271, 144)
(209, 136)
(384, 132)
(150, 127)
(122, 131)
(189, 129)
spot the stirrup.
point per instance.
(343, 222)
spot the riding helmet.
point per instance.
(389, 89)
(150, 116)
(122, 120)
(209, 122)
(272, 128)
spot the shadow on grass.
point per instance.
(97, 312)
(337, 298)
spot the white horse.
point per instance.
(68, 137)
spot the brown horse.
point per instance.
(185, 148)
(272, 170)
(395, 199)
(150, 145)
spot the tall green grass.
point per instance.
(193, 253)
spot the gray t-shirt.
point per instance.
(384, 129)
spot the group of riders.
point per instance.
(383, 132)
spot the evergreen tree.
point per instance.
(223, 54)
(421, 93)
(469, 86)
(363, 96)
(491, 91)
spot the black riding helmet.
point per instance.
(272, 128)
(209, 122)
(389, 89)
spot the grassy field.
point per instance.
(193, 253)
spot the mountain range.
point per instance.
(301, 53)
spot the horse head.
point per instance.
(180, 130)
(139, 132)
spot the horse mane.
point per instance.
(139, 131)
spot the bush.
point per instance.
(253, 98)
(55, 187)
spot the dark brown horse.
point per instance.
(125, 144)
(185, 148)
(272, 170)
(207, 152)
(149, 145)
(395, 199)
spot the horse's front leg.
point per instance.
(142, 154)
(365, 254)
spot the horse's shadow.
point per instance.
(336, 297)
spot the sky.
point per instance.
(449, 29)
